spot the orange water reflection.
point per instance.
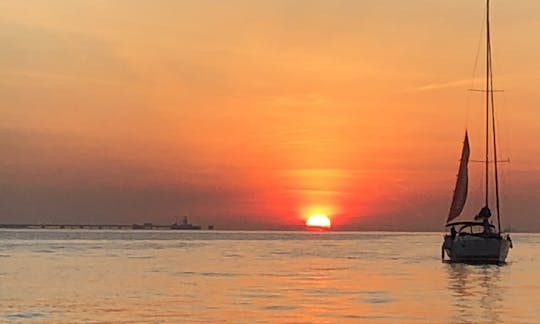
(477, 292)
(264, 277)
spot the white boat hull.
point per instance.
(476, 248)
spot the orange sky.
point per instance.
(255, 114)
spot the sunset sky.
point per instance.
(257, 114)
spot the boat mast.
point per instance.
(497, 200)
(488, 68)
(490, 98)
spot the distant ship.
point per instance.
(184, 225)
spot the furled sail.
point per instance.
(460, 192)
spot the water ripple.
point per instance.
(377, 297)
(23, 315)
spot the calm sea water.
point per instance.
(71, 276)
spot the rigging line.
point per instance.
(497, 200)
(478, 48)
(475, 69)
(506, 178)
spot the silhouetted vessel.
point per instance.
(184, 225)
(478, 241)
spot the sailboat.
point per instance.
(478, 241)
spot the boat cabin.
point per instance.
(471, 228)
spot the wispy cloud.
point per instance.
(449, 84)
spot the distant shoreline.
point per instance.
(145, 226)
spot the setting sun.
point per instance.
(318, 221)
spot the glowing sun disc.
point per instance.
(319, 220)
